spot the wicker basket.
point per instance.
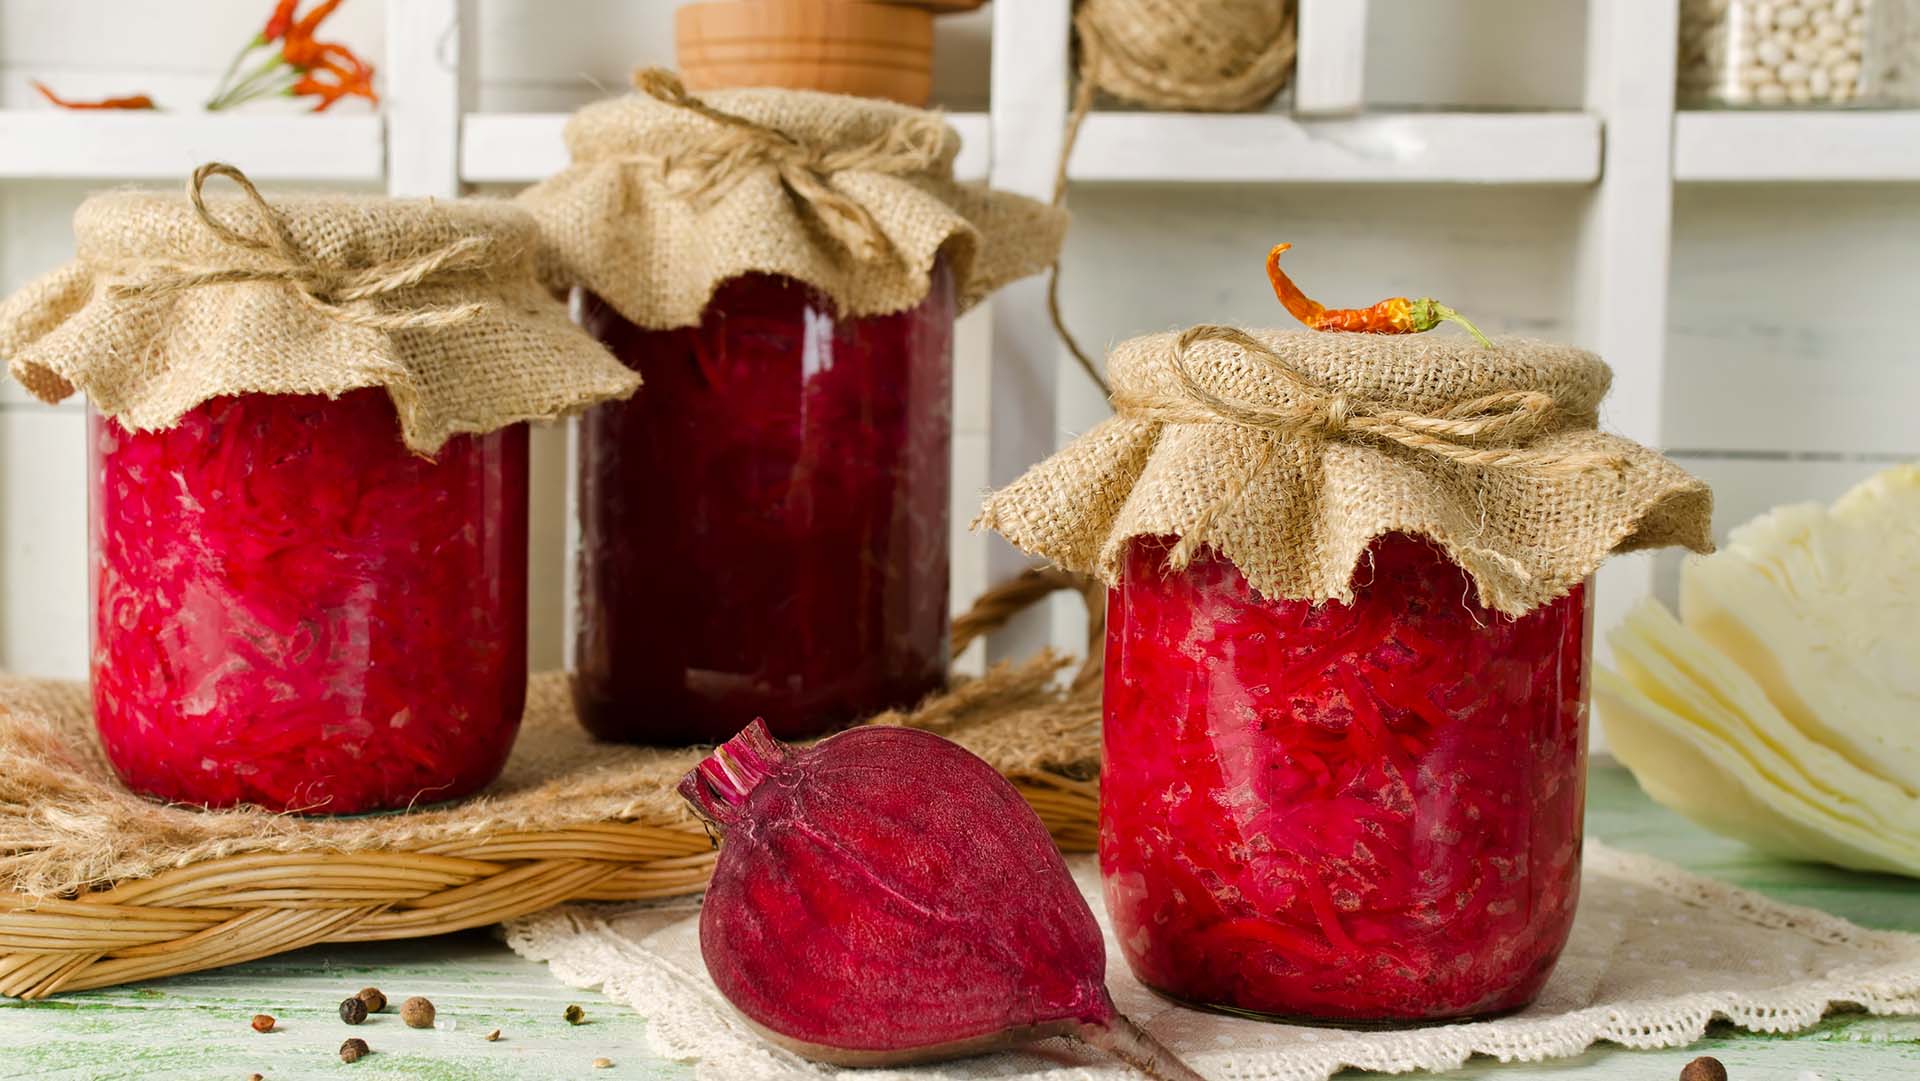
(224, 911)
(182, 890)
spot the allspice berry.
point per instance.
(354, 1050)
(1704, 1068)
(353, 1010)
(373, 998)
(417, 1012)
(263, 1022)
(575, 1015)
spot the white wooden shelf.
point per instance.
(1430, 147)
(1803, 145)
(519, 148)
(43, 143)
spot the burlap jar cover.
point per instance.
(1288, 453)
(173, 301)
(670, 195)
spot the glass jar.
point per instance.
(764, 526)
(1365, 812)
(293, 610)
(1777, 53)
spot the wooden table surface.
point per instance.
(196, 1027)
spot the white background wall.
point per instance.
(1791, 372)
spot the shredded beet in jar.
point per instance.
(764, 526)
(1352, 812)
(291, 609)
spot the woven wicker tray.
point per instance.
(106, 888)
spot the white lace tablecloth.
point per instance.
(1656, 954)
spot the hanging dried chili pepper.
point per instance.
(134, 101)
(1394, 316)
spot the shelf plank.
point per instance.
(1437, 147)
(1805, 145)
(46, 144)
(519, 148)
(1472, 148)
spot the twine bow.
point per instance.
(328, 290)
(1459, 432)
(708, 168)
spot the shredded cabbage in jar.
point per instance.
(1364, 812)
(293, 610)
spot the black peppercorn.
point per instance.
(354, 1050)
(574, 1015)
(353, 1010)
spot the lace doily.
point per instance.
(1656, 954)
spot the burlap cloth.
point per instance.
(66, 823)
(1655, 955)
(670, 195)
(175, 300)
(1289, 453)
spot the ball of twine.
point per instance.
(1201, 55)
(1209, 55)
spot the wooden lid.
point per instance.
(839, 46)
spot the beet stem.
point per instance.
(719, 786)
(1131, 1044)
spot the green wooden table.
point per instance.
(196, 1027)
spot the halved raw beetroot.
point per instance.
(886, 897)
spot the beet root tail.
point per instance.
(1129, 1043)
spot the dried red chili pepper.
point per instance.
(347, 76)
(1397, 315)
(300, 67)
(311, 20)
(279, 22)
(133, 101)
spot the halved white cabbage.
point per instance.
(1686, 769)
(1783, 707)
(1687, 678)
(1822, 608)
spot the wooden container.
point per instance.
(841, 46)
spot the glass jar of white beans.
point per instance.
(1793, 53)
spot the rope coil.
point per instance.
(705, 169)
(327, 290)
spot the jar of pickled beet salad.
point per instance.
(1347, 652)
(764, 530)
(308, 466)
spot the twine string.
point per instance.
(707, 168)
(1491, 431)
(1210, 57)
(327, 290)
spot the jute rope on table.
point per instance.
(106, 888)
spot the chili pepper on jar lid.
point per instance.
(1397, 315)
